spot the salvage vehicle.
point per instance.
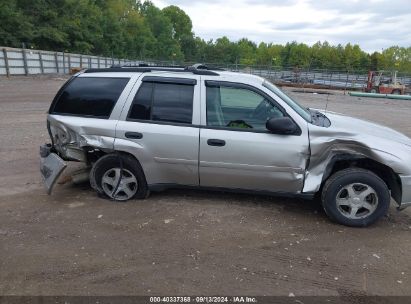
(143, 129)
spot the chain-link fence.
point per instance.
(305, 77)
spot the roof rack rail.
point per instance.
(197, 69)
(145, 64)
(202, 69)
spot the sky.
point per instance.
(373, 24)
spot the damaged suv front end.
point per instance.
(361, 143)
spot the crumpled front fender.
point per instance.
(328, 145)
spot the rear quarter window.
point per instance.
(89, 96)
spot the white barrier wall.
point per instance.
(28, 62)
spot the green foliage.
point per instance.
(134, 29)
(13, 26)
(182, 30)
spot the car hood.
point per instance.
(357, 128)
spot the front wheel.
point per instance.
(355, 197)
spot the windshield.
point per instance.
(304, 113)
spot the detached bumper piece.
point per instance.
(51, 166)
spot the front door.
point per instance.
(236, 150)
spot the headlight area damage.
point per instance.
(73, 139)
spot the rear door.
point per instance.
(157, 126)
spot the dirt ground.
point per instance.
(181, 242)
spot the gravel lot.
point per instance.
(182, 242)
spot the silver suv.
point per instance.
(151, 128)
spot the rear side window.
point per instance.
(166, 102)
(90, 96)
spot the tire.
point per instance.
(396, 92)
(106, 172)
(373, 90)
(355, 197)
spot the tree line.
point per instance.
(134, 29)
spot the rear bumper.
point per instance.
(406, 192)
(51, 167)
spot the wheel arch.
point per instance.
(97, 155)
(343, 161)
(123, 160)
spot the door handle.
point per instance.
(216, 142)
(134, 135)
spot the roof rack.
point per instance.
(197, 69)
(145, 65)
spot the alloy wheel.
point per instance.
(127, 184)
(357, 201)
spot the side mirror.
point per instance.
(281, 125)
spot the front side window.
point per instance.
(232, 107)
(90, 96)
(166, 102)
(304, 113)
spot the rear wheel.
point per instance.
(355, 197)
(373, 90)
(119, 177)
(396, 92)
